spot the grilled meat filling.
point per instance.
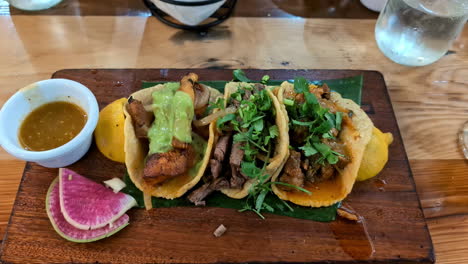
(219, 155)
(292, 173)
(222, 147)
(169, 164)
(299, 169)
(214, 181)
(198, 196)
(237, 153)
(228, 155)
(141, 119)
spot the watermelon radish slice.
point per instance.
(88, 205)
(70, 232)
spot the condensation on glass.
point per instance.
(419, 32)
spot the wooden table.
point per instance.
(431, 103)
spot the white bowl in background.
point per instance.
(189, 15)
(15, 110)
(374, 5)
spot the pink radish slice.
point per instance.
(69, 232)
(89, 205)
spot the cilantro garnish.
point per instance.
(308, 149)
(301, 85)
(220, 122)
(258, 192)
(239, 75)
(219, 103)
(255, 127)
(251, 170)
(338, 120)
(288, 102)
(254, 124)
(316, 123)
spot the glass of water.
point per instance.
(419, 32)
(33, 5)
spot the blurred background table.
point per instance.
(245, 8)
(431, 103)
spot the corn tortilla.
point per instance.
(136, 151)
(356, 135)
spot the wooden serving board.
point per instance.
(397, 231)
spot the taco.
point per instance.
(328, 137)
(165, 154)
(251, 141)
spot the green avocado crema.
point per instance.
(173, 112)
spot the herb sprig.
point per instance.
(218, 104)
(256, 199)
(239, 75)
(315, 121)
(255, 127)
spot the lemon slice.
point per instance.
(375, 155)
(109, 133)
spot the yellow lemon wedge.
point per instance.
(109, 133)
(375, 155)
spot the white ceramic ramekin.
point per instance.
(30, 97)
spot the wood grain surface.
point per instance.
(430, 102)
(244, 8)
(386, 209)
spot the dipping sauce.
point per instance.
(51, 125)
